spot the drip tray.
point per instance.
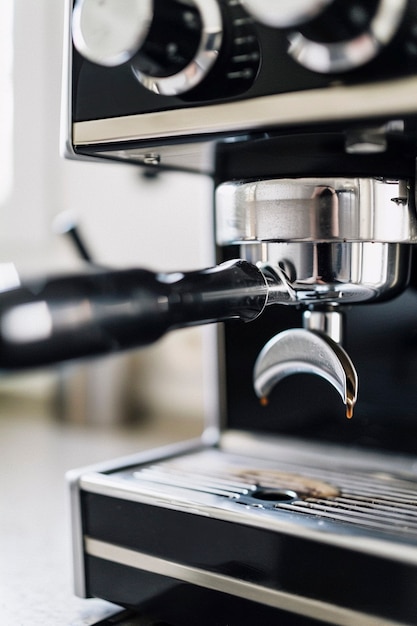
(378, 503)
(319, 533)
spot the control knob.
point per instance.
(346, 35)
(285, 13)
(170, 44)
(330, 36)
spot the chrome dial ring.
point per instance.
(204, 59)
(343, 56)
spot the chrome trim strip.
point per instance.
(77, 543)
(65, 139)
(392, 98)
(226, 584)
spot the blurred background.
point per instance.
(76, 414)
(125, 218)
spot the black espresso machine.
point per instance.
(298, 505)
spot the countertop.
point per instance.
(36, 451)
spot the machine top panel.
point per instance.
(242, 74)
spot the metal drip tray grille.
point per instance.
(391, 507)
(374, 500)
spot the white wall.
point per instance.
(127, 219)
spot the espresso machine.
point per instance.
(298, 505)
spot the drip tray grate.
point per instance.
(380, 501)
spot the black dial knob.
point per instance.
(346, 35)
(171, 44)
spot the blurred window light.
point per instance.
(6, 99)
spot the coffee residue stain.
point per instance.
(304, 486)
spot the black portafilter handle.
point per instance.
(96, 313)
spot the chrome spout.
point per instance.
(329, 322)
(298, 351)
